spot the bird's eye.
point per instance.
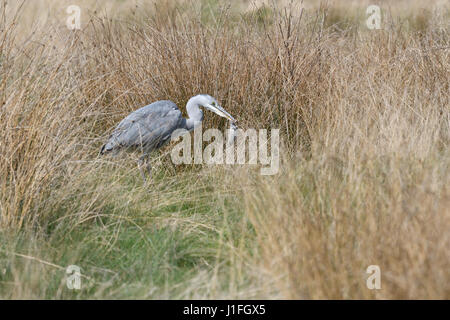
(213, 104)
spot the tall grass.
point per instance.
(364, 178)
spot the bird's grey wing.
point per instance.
(150, 127)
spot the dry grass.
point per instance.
(365, 123)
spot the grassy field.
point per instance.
(364, 119)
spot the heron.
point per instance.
(150, 128)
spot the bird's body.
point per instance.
(151, 127)
(147, 128)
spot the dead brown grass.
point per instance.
(364, 117)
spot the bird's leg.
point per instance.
(149, 169)
(168, 158)
(141, 162)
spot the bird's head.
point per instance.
(211, 104)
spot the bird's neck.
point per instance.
(195, 114)
(192, 124)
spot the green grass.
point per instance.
(146, 248)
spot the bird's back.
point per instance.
(148, 127)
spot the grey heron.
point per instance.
(151, 127)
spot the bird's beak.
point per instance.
(220, 111)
